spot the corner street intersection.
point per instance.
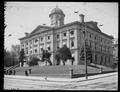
(99, 82)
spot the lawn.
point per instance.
(61, 71)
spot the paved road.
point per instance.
(103, 83)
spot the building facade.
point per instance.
(71, 34)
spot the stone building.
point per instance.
(53, 37)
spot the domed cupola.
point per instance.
(57, 17)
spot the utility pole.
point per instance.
(84, 33)
(84, 43)
(84, 38)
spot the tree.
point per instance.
(63, 54)
(22, 57)
(46, 56)
(88, 53)
(7, 58)
(33, 61)
(15, 51)
(57, 57)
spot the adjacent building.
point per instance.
(55, 36)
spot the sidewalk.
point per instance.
(61, 79)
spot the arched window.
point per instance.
(72, 43)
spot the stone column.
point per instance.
(32, 46)
(60, 40)
(45, 42)
(68, 39)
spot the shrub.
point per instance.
(114, 65)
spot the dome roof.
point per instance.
(56, 11)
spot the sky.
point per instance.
(21, 17)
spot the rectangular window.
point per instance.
(101, 48)
(30, 42)
(49, 48)
(30, 46)
(30, 52)
(58, 45)
(41, 39)
(36, 40)
(23, 45)
(72, 43)
(26, 43)
(41, 48)
(95, 37)
(90, 35)
(95, 46)
(35, 50)
(72, 32)
(26, 51)
(105, 48)
(48, 37)
(58, 36)
(90, 44)
(64, 34)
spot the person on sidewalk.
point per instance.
(14, 72)
(30, 71)
(26, 73)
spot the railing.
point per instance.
(7, 71)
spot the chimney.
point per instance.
(26, 34)
(81, 18)
(96, 23)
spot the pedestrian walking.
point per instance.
(14, 72)
(101, 70)
(30, 71)
(10, 72)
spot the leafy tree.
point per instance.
(33, 61)
(57, 57)
(88, 53)
(63, 54)
(15, 53)
(7, 58)
(46, 56)
(22, 57)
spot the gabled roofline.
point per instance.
(55, 28)
(40, 26)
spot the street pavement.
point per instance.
(98, 82)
